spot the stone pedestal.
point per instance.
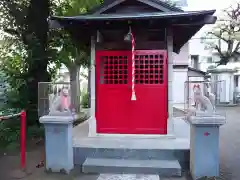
(204, 145)
(58, 143)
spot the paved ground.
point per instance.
(230, 144)
(229, 148)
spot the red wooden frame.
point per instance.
(115, 112)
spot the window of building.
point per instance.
(195, 61)
(209, 59)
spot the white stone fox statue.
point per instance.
(203, 104)
(210, 96)
(61, 102)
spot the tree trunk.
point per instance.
(38, 75)
(37, 44)
(38, 55)
(75, 87)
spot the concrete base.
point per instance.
(204, 146)
(130, 151)
(58, 139)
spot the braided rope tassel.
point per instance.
(133, 98)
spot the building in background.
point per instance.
(225, 77)
(64, 76)
(183, 72)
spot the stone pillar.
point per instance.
(204, 145)
(92, 119)
(169, 39)
(58, 143)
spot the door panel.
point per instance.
(113, 95)
(115, 112)
(149, 111)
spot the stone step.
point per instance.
(136, 177)
(165, 168)
(81, 153)
(134, 154)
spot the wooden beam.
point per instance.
(206, 20)
(127, 46)
(210, 19)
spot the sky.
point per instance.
(209, 4)
(218, 5)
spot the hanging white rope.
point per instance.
(133, 98)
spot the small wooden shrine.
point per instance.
(132, 45)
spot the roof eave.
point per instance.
(206, 17)
(209, 19)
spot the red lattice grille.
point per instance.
(149, 69)
(114, 70)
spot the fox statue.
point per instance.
(203, 104)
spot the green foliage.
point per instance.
(28, 48)
(74, 7)
(25, 54)
(10, 133)
(85, 101)
(14, 69)
(71, 52)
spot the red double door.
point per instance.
(116, 113)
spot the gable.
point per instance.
(133, 6)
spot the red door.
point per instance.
(115, 112)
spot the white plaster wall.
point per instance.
(183, 57)
(179, 79)
(226, 87)
(196, 47)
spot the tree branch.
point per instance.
(220, 37)
(237, 47)
(226, 33)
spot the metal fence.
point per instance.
(47, 92)
(206, 87)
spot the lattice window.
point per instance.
(149, 69)
(114, 70)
